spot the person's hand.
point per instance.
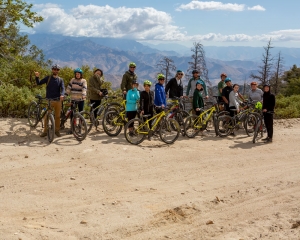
(264, 110)
(197, 109)
(206, 97)
(181, 96)
(162, 106)
(37, 74)
(124, 92)
(101, 94)
(61, 98)
(142, 112)
(83, 98)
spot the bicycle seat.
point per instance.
(146, 115)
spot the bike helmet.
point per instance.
(55, 66)
(227, 80)
(223, 74)
(78, 70)
(258, 106)
(132, 64)
(134, 82)
(147, 82)
(253, 83)
(160, 76)
(195, 71)
(198, 82)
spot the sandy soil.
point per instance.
(104, 188)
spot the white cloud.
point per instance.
(135, 23)
(256, 8)
(213, 6)
(46, 5)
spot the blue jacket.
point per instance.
(55, 88)
(160, 95)
(132, 96)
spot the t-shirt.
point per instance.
(256, 95)
(221, 85)
(226, 91)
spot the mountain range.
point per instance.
(113, 56)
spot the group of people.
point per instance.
(230, 96)
(149, 100)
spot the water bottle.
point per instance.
(169, 115)
(67, 112)
(43, 110)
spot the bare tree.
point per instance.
(166, 65)
(198, 62)
(276, 80)
(264, 72)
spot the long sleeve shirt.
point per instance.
(55, 86)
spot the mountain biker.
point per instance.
(221, 85)
(268, 108)
(94, 89)
(192, 84)
(147, 100)
(198, 103)
(128, 77)
(255, 94)
(175, 86)
(160, 95)
(77, 90)
(132, 98)
(55, 89)
(233, 100)
(226, 91)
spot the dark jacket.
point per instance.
(127, 79)
(147, 101)
(174, 89)
(55, 86)
(95, 83)
(197, 99)
(160, 95)
(268, 101)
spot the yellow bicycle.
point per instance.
(137, 129)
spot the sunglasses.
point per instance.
(55, 69)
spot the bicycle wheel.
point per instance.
(255, 134)
(134, 135)
(88, 120)
(180, 118)
(249, 124)
(50, 127)
(79, 127)
(224, 125)
(167, 132)
(33, 114)
(112, 123)
(192, 126)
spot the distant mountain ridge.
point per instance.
(113, 56)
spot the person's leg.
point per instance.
(96, 104)
(269, 125)
(57, 109)
(81, 106)
(131, 115)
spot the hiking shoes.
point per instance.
(44, 134)
(58, 134)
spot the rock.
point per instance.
(83, 222)
(24, 218)
(26, 156)
(209, 222)
(72, 178)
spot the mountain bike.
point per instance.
(259, 128)
(100, 111)
(78, 122)
(136, 130)
(113, 122)
(36, 113)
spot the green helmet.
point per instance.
(258, 106)
(132, 64)
(160, 76)
(147, 82)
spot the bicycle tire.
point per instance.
(249, 125)
(166, 127)
(88, 120)
(191, 127)
(215, 123)
(112, 123)
(79, 127)
(224, 125)
(50, 127)
(33, 114)
(113, 107)
(133, 136)
(255, 134)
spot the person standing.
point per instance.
(77, 90)
(192, 85)
(132, 98)
(94, 89)
(198, 103)
(268, 110)
(128, 77)
(175, 86)
(233, 100)
(147, 100)
(160, 99)
(226, 91)
(55, 89)
(221, 85)
(255, 94)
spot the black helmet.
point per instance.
(55, 66)
(195, 71)
(134, 82)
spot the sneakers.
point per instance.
(269, 140)
(265, 139)
(57, 134)
(69, 132)
(202, 133)
(44, 134)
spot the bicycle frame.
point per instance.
(203, 120)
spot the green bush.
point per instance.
(287, 107)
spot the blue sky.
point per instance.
(214, 23)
